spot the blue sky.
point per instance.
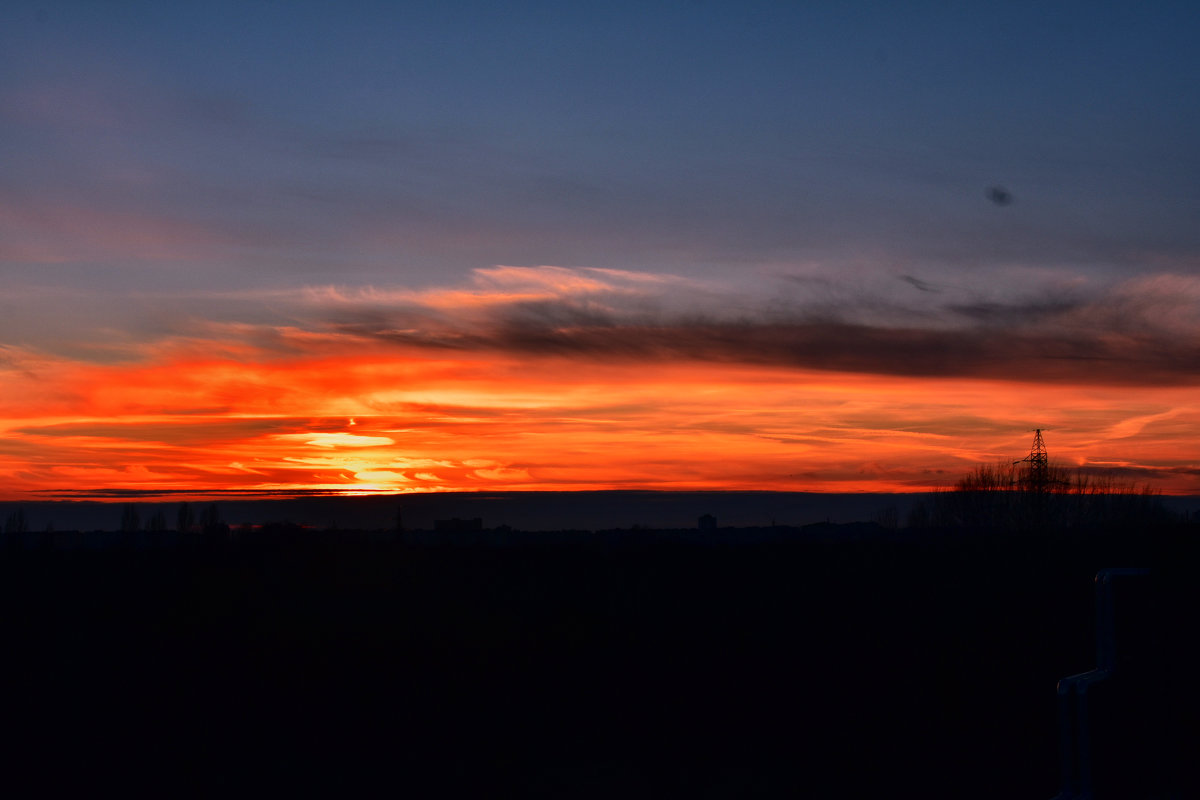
(294, 143)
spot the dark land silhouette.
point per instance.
(531, 511)
(822, 660)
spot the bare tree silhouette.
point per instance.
(210, 521)
(1003, 497)
(130, 521)
(184, 518)
(16, 522)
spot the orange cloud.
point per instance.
(376, 419)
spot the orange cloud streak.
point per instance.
(349, 417)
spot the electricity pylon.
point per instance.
(1037, 476)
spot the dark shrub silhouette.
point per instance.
(1009, 497)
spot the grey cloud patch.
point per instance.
(833, 346)
(999, 195)
(919, 284)
(560, 316)
(1116, 336)
(1017, 313)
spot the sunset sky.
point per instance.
(283, 248)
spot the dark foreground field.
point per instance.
(824, 662)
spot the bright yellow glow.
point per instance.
(332, 440)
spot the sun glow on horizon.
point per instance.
(388, 422)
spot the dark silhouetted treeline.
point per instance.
(1003, 497)
(827, 661)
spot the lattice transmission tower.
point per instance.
(1037, 475)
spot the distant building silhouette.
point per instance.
(457, 524)
(707, 522)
